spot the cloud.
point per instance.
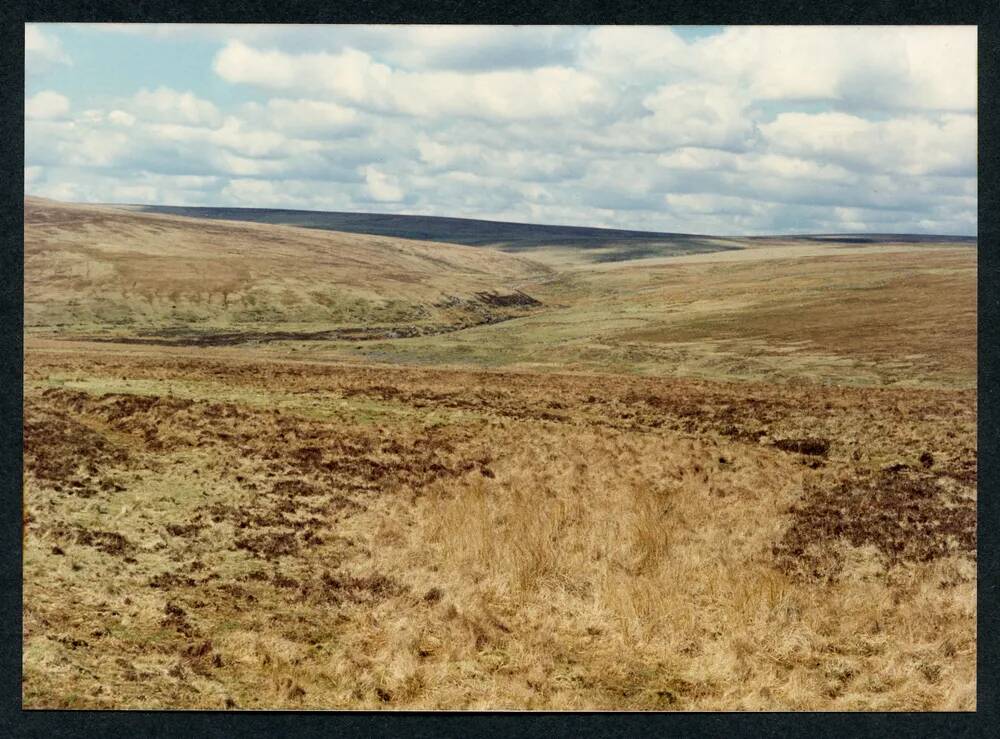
(478, 47)
(635, 53)
(689, 113)
(748, 130)
(404, 46)
(290, 193)
(162, 128)
(46, 104)
(880, 67)
(877, 67)
(183, 31)
(700, 204)
(260, 193)
(529, 166)
(310, 116)
(121, 118)
(761, 164)
(166, 105)
(42, 52)
(915, 68)
(382, 187)
(913, 145)
(356, 78)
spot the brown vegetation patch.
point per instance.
(184, 337)
(108, 542)
(237, 592)
(964, 470)
(171, 580)
(904, 513)
(342, 587)
(811, 446)
(281, 581)
(514, 299)
(199, 659)
(269, 545)
(69, 641)
(56, 445)
(186, 530)
(176, 619)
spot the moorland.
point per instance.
(275, 460)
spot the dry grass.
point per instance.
(99, 270)
(918, 308)
(397, 538)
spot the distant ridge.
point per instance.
(608, 244)
(555, 245)
(471, 231)
(874, 238)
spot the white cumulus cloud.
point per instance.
(121, 118)
(166, 105)
(46, 104)
(738, 130)
(354, 77)
(874, 66)
(381, 186)
(42, 51)
(944, 144)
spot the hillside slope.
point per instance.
(97, 269)
(888, 310)
(553, 244)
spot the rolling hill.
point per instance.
(96, 269)
(777, 308)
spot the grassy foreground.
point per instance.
(215, 532)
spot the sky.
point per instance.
(714, 130)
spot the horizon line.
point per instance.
(800, 234)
